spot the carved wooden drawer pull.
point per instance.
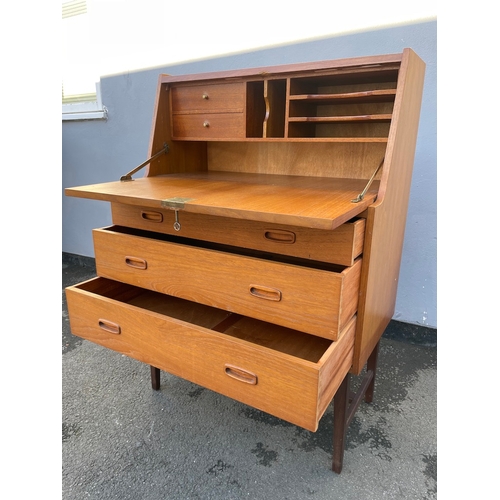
(265, 292)
(152, 216)
(240, 374)
(109, 326)
(280, 236)
(136, 262)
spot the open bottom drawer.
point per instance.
(284, 372)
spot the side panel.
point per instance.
(386, 218)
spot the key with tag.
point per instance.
(177, 224)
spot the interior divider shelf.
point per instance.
(326, 119)
(366, 96)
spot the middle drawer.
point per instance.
(308, 296)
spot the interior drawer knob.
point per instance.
(265, 292)
(240, 374)
(205, 96)
(206, 124)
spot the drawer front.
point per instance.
(206, 98)
(136, 323)
(209, 126)
(340, 246)
(315, 301)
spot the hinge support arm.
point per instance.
(128, 177)
(362, 194)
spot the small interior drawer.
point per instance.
(340, 246)
(313, 297)
(208, 98)
(209, 126)
(281, 371)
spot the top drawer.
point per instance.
(206, 98)
(340, 246)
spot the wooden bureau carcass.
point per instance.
(258, 255)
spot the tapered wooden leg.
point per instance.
(371, 365)
(155, 378)
(346, 404)
(340, 407)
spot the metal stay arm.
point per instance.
(362, 194)
(128, 177)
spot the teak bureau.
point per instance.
(259, 254)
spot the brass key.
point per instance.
(177, 224)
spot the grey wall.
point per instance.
(101, 151)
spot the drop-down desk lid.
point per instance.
(317, 202)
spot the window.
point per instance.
(81, 96)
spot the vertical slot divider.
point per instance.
(287, 107)
(268, 110)
(275, 103)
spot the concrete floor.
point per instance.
(122, 440)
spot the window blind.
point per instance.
(69, 10)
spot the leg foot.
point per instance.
(371, 365)
(340, 407)
(155, 378)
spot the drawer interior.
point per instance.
(285, 340)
